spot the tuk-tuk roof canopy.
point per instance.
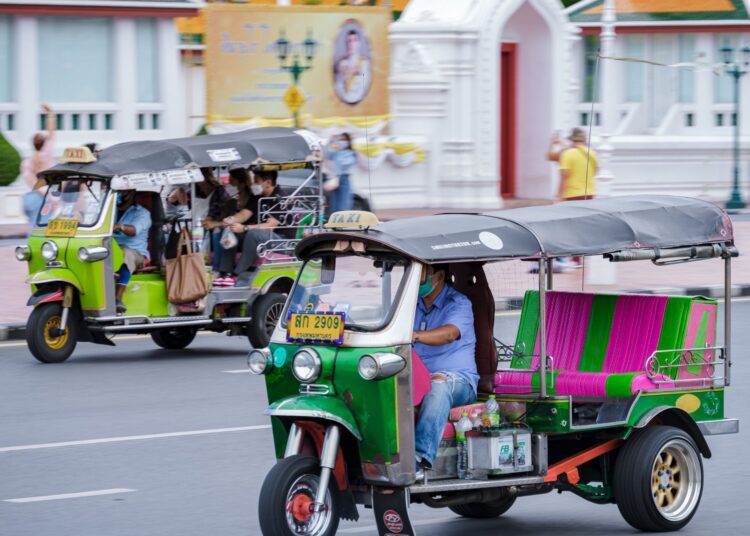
(590, 227)
(258, 147)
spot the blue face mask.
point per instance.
(344, 144)
(427, 287)
(119, 198)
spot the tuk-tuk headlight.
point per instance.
(260, 361)
(380, 365)
(23, 253)
(306, 365)
(92, 253)
(49, 251)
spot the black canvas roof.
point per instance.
(571, 228)
(272, 144)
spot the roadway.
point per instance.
(135, 440)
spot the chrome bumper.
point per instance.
(723, 426)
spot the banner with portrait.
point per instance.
(347, 76)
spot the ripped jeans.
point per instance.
(445, 393)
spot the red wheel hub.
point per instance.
(301, 507)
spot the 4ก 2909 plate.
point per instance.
(311, 328)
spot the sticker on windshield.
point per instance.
(229, 154)
(491, 240)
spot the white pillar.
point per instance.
(125, 78)
(598, 270)
(704, 82)
(171, 84)
(26, 74)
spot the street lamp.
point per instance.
(737, 68)
(295, 67)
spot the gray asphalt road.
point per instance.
(103, 426)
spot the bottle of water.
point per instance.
(476, 420)
(462, 426)
(492, 409)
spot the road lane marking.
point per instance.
(94, 493)
(238, 371)
(17, 448)
(371, 529)
(114, 338)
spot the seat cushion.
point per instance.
(449, 432)
(606, 384)
(469, 409)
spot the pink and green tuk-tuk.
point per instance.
(610, 396)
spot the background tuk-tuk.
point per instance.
(73, 257)
(608, 396)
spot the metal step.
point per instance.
(232, 294)
(458, 484)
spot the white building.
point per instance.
(109, 68)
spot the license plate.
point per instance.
(61, 228)
(315, 328)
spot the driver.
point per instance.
(131, 234)
(445, 341)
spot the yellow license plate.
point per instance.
(62, 228)
(315, 328)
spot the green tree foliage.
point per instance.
(568, 3)
(10, 162)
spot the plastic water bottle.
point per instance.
(462, 426)
(492, 409)
(476, 420)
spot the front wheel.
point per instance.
(287, 497)
(42, 336)
(658, 479)
(484, 510)
(266, 313)
(173, 338)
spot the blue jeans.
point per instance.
(341, 197)
(215, 248)
(32, 202)
(445, 394)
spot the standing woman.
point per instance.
(42, 158)
(342, 158)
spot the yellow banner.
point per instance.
(348, 75)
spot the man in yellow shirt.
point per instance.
(578, 167)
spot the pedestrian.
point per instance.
(42, 158)
(578, 167)
(341, 159)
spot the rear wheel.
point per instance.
(266, 313)
(45, 343)
(174, 338)
(658, 479)
(287, 496)
(484, 510)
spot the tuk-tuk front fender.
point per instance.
(56, 275)
(316, 407)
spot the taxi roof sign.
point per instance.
(352, 219)
(78, 155)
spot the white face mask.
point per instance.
(256, 189)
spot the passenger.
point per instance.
(251, 228)
(218, 203)
(445, 341)
(131, 234)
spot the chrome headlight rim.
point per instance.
(50, 250)
(316, 365)
(380, 365)
(23, 253)
(259, 361)
(92, 253)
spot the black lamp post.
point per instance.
(736, 67)
(295, 67)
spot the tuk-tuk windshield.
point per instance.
(80, 200)
(366, 288)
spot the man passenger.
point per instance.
(131, 234)
(251, 228)
(445, 341)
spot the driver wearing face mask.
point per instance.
(444, 340)
(131, 234)
(253, 226)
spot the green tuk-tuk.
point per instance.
(73, 256)
(608, 396)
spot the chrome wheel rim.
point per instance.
(676, 480)
(299, 515)
(272, 318)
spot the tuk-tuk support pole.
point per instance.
(549, 274)
(327, 463)
(321, 194)
(543, 328)
(727, 318)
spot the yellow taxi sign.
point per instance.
(352, 219)
(78, 155)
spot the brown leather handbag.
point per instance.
(187, 280)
